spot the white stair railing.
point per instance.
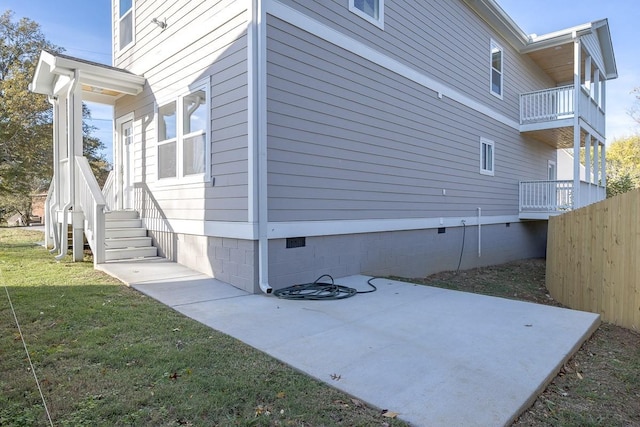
(92, 203)
(546, 196)
(108, 191)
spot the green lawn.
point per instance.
(106, 355)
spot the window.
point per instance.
(183, 136)
(125, 24)
(487, 157)
(371, 10)
(496, 69)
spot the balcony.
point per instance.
(548, 115)
(543, 199)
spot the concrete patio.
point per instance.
(437, 357)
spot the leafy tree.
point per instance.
(623, 165)
(26, 119)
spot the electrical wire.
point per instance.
(33, 370)
(319, 290)
(464, 232)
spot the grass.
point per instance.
(106, 355)
(598, 386)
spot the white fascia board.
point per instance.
(330, 35)
(281, 230)
(117, 83)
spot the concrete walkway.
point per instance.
(437, 357)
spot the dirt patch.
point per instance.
(599, 386)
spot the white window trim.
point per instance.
(133, 27)
(180, 178)
(487, 142)
(377, 22)
(555, 170)
(493, 45)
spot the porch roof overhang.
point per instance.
(100, 83)
(553, 52)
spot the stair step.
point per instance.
(129, 253)
(122, 223)
(116, 233)
(127, 242)
(127, 214)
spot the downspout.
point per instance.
(52, 221)
(260, 125)
(71, 165)
(479, 232)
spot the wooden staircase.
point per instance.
(126, 238)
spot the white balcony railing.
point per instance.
(559, 103)
(547, 105)
(546, 196)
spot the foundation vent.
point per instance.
(296, 242)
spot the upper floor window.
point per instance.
(487, 156)
(371, 10)
(496, 69)
(125, 24)
(183, 136)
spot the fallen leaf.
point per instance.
(389, 414)
(336, 377)
(579, 375)
(281, 395)
(357, 403)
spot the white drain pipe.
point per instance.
(259, 119)
(479, 232)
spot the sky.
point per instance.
(83, 28)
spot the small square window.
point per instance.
(371, 10)
(487, 157)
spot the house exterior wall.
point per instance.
(362, 125)
(357, 135)
(411, 253)
(203, 41)
(172, 60)
(349, 139)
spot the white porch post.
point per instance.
(577, 81)
(587, 74)
(603, 162)
(74, 106)
(596, 86)
(596, 165)
(587, 166)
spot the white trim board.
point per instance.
(282, 230)
(305, 23)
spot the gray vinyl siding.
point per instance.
(218, 55)
(348, 139)
(445, 40)
(592, 46)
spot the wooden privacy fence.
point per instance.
(593, 259)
